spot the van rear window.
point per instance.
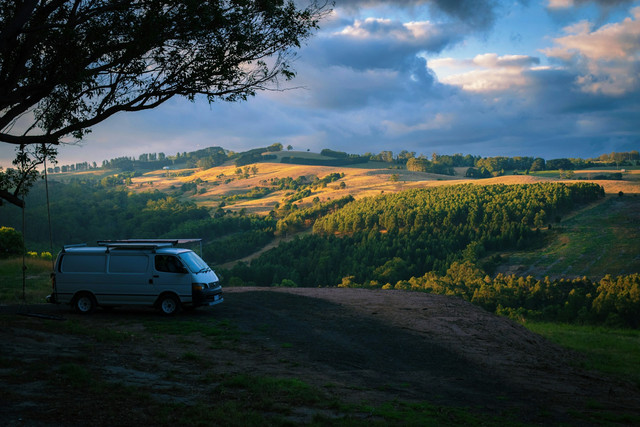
(128, 263)
(73, 263)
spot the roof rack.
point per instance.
(77, 245)
(146, 243)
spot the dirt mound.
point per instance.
(441, 348)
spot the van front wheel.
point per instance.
(84, 303)
(168, 304)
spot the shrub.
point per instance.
(287, 283)
(10, 242)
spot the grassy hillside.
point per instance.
(367, 180)
(360, 180)
(601, 239)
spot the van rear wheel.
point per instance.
(84, 303)
(168, 304)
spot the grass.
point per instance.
(612, 351)
(37, 280)
(75, 375)
(601, 239)
(102, 335)
(221, 333)
(288, 398)
(424, 414)
(246, 399)
(266, 391)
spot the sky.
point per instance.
(550, 78)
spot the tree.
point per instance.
(538, 165)
(16, 182)
(69, 65)
(275, 147)
(73, 64)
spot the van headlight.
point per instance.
(198, 287)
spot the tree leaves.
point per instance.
(74, 64)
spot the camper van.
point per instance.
(153, 273)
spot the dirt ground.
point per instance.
(371, 346)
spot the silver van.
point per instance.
(152, 273)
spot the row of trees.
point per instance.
(424, 165)
(613, 301)
(630, 157)
(481, 167)
(205, 158)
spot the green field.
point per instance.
(37, 281)
(603, 238)
(612, 351)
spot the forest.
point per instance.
(442, 239)
(411, 232)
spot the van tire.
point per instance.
(84, 303)
(168, 304)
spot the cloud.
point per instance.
(476, 14)
(374, 43)
(607, 59)
(487, 72)
(371, 61)
(342, 87)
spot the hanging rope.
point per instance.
(24, 255)
(46, 187)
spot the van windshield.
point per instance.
(194, 262)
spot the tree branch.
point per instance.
(4, 194)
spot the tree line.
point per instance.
(612, 301)
(480, 167)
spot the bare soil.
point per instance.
(358, 345)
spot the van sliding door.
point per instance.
(130, 280)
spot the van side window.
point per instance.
(168, 264)
(72, 263)
(128, 263)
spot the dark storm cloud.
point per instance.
(477, 14)
(378, 43)
(344, 88)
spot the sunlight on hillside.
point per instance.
(360, 181)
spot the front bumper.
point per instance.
(208, 297)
